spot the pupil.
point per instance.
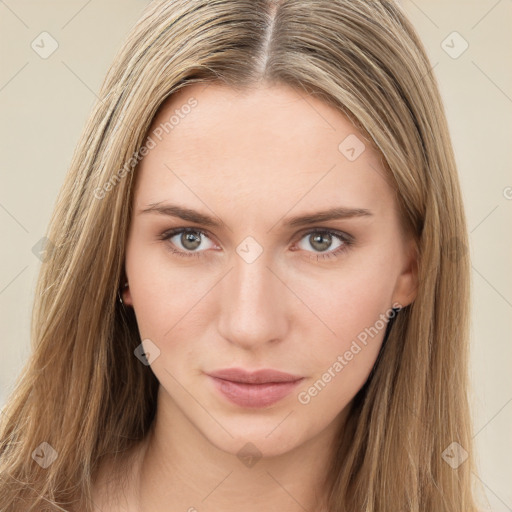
(190, 240)
(317, 241)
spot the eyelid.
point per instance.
(170, 233)
(347, 242)
(346, 238)
(342, 234)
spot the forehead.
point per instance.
(266, 142)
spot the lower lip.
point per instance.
(254, 395)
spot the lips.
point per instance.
(254, 389)
(257, 377)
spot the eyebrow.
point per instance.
(190, 215)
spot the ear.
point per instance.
(127, 296)
(406, 287)
(125, 290)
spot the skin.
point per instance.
(252, 160)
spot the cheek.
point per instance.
(167, 312)
(347, 302)
(354, 311)
(161, 291)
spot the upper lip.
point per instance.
(256, 377)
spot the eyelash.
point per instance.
(343, 237)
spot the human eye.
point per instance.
(184, 242)
(321, 239)
(188, 238)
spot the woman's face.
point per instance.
(263, 279)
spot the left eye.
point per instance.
(321, 241)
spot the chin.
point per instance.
(263, 438)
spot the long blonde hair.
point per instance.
(84, 392)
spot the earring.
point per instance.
(119, 294)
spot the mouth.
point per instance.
(254, 390)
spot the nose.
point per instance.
(253, 304)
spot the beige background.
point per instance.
(45, 102)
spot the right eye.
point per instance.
(187, 240)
